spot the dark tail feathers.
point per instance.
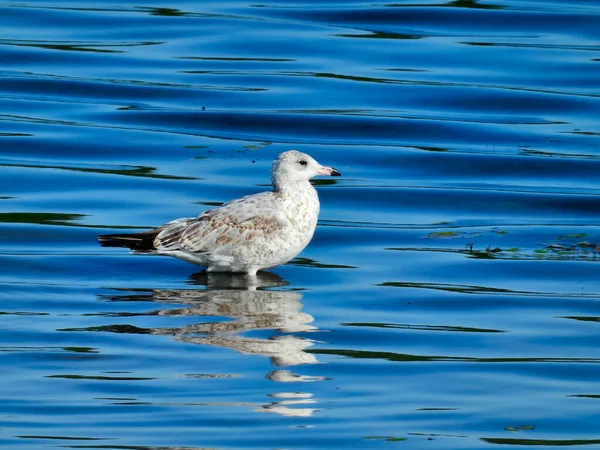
(139, 242)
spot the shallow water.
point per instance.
(450, 296)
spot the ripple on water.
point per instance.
(448, 298)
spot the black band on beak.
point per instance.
(335, 173)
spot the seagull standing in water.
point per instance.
(246, 235)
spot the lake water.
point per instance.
(450, 298)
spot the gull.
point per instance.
(246, 235)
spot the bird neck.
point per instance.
(300, 203)
(292, 189)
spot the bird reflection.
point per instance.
(254, 305)
(245, 299)
(287, 406)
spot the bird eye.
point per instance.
(302, 163)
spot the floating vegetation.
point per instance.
(443, 234)
(521, 428)
(386, 438)
(573, 236)
(257, 146)
(482, 244)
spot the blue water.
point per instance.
(449, 299)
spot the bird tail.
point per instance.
(139, 242)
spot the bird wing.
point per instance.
(253, 217)
(169, 234)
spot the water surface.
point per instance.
(449, 298)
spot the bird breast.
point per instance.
(301, 205)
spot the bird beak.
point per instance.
(324, 170)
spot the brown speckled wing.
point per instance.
(224, 230)
(170, 234)
(235, 223)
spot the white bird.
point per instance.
(246, 235)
